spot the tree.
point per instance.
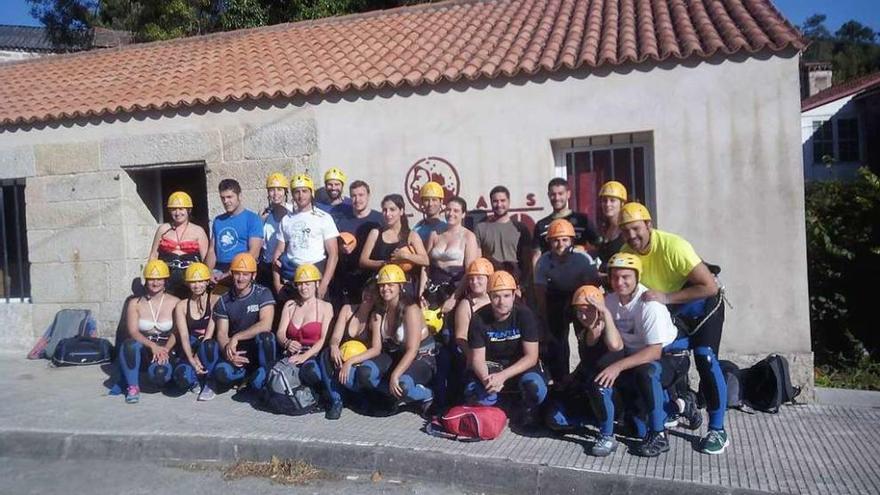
(855, 32)
(814, 27)
(68, 22)
(852, 50)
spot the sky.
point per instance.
(838, 11)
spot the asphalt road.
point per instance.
(20, 476)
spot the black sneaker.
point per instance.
(653, 445)
(334, 412)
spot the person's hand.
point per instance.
(494, 383)
(608, 376)
(347, 249)
(293, 346)
(240, 359)
(160, 355)
(335, 355)
(596, 303)
(297, 359)
(448, 305)
(197, 364)
(401, 254)
(394, 385)
(277, 262)
(653, 295)
(231, 348)
(322, 288)
(344, 371)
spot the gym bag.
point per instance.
(67, 323)
(767, 384)
(733, 378)
(469, 423)
(80, 351)
(286, 394)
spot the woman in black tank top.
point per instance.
(394, 243)
(195, 327)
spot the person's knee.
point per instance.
(534, 389)
(184, 376)
(129, 352)
(367, 376)
(310, 373)
(159, 374)
(224, 373)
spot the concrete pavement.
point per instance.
(64, 414)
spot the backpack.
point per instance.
(67, 323)
(82, 350)
(286, 394)
(469, 423)
(733, 378)
(767, 384)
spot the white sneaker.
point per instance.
(207, 393)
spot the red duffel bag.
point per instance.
(469, 423)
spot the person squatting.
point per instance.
(377, 315)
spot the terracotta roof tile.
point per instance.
(411, 46)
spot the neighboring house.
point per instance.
(840, 129)
(23, 42)
(692, 105)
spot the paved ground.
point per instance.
(63, 414)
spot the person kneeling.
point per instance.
(503, 341)
(243, 322)
(194, 321)
(645, 327)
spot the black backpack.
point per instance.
(768, 384)
(82, 350)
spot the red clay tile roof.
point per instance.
(412, 46)
(838, 91)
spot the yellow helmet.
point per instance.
(179, 199)
(432, 190)
(633, 212)
(334, 174)
(156, 269)
(560, 228)
(277, 179)
(243, 262)
(351, 349)
(391, 274)
(613, 189)
(306, 273)
(433, 319)
(626, 260)
(501, 280)
(197, 272)
(302, 180)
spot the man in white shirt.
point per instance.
(645, 327)
(306, 236)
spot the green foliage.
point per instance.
(843, 249)
(853, 49)
(863, 375)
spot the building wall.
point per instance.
(13, 55)
(726, 155)
(844, 108)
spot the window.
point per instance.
(823, 142)
(156, 182)
(848, 140)
(15, 284)
(588, 163)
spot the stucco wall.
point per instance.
(727, 159)
(844, 108)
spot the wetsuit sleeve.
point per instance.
(476, 335)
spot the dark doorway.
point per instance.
(156, 183)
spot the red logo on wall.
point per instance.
(428, 169)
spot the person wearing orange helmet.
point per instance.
(357, 220)
(150, 341)
(243, 325)
(503, 340)
(558, 273)
(179, 242)
(676, 276)
(559, 194)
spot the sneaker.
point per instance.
(425, 408)
(714, 442)
(653, 445)
(334, 412)
(132, 394)
(604, 446)
(672, 420)
(207, 393)
(691, 412)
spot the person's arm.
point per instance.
(202, 239)
(372, 351)
(288, 345)
(131, 324)
(211, 256)
(209, 330)
(528, 361)
(418, 257)
(539, 283)
(477, 345)
(604, 327)
(255, 235)
(338, 331)
(183, 332)
(608, 376)
(264, 324)
(154, 248)
(277, 283)
(524, 250)
(414, 322)
(365, 261)
(702, 285)
(462, 322)
(331, 246)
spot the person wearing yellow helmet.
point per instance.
(675, 275)
(503, 341)
(308, 236)
(404, 368)
(612, 196)
(331, 195)
(599, 345)
(150, 340)
(394, 242)
(432, 197)
(559, 194)
(243, 326)
(237, 230)
(193, 319)
(179, 242)
(558, 273)
(277, 185)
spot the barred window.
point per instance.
(15, 284)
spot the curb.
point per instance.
(467, 473)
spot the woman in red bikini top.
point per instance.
(304, 321)
(179, 242)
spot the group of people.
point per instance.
(378, 315)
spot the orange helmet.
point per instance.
(243, 262)
(501, 280)
(560, 228)
(406, 265)
(480, 266)
(348, 240)
(580, 296)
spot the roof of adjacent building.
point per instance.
(410, 46)
(34, 39)
(853, 87)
